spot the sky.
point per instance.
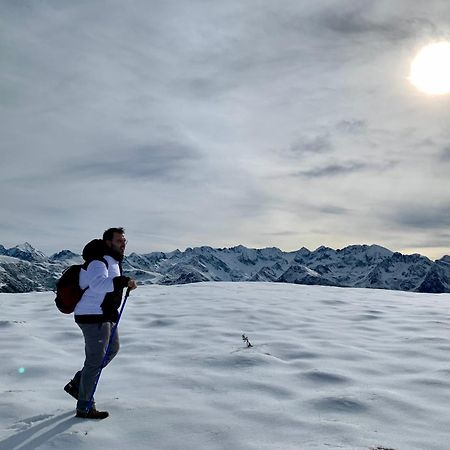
(261, 123)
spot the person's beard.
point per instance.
(116, 254)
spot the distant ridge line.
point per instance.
(25, 269)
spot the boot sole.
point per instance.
(86, 416)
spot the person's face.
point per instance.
(118, 243)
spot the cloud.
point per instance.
(154, 161)
(333, 170)
(172, 111)
(327, 140)
(424, 217)
(334, 210)
(315, 145)
(354, 126)
(349, 21)
(364, 19)
(445, 154)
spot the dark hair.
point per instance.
(109, 233)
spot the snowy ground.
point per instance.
(330, 368)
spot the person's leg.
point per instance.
(96, 337)
(115, 344)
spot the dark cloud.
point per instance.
(154, 161)
(438, 239)
(308, 146)
(282, 233)
(348, 21)
(333, 170)
(334, 210)
(352, 126)
(445, 155)
(317, 144)
(423, 217)
(205, 88)
(360, 20)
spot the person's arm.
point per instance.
(100, 282)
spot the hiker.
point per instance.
(97, 312)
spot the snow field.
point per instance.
(329, 368)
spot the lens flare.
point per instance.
(21, 370)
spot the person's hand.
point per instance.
(132, 285)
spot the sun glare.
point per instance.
(430, 69)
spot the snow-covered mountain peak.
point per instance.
(63, 254)
(67, 257)
(239, 249)
(323, 249)
(27, 252)
(303, 251)
(444, 259)
(200, 250)
(25, 247)
(378, 249)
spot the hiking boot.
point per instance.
(72, 389)
(92, 414)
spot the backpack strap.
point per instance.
(86, 263)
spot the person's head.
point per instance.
(114, 239)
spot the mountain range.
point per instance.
(25, 269)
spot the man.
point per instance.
(97, 312)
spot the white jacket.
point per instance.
(99, 280)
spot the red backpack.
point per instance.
(68, 291)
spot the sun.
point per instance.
(430, 69)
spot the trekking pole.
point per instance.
(108, 349)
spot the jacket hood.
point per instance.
(95, 249)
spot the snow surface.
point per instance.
(330, 368)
